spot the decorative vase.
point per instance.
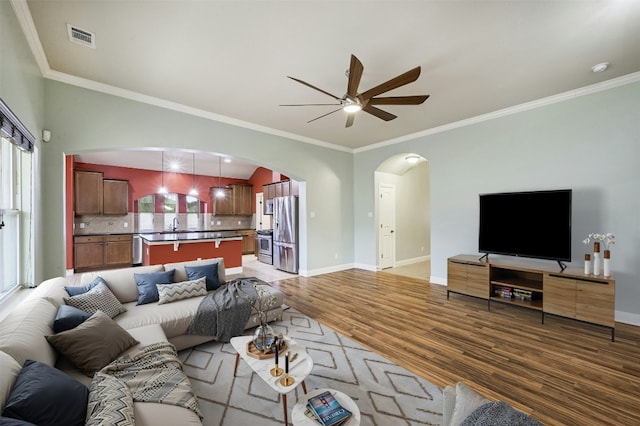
(264, 337)
(607, 263)
(596, 258)
(587, 264)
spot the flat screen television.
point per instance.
(534, 224)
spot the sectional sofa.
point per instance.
(26, 334)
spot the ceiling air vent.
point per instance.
(80, 36)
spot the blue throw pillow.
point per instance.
(45, 396)
(6, 421)
(69, 317)
(74, 290)
(209, 271)
(147, 291)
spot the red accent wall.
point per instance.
(262, 176)
(160, 254)
(146, 182)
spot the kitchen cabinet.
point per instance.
(94, 195)
(242, 199)
(221, 206)
(238, 200)
(248, 241)
(115, 195)
(102, 252)
(87, 192)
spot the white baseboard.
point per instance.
(233, 271)
(69, 272)
(628, 318)
(412, 261)
(365, 266)
(327, 270)
(438, 280)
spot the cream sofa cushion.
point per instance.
(22, 332)
(174, 317)
(9, 371)
(181, 274)
(121, 282)
(52, 289)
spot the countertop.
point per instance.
(224, 233)
(190, 236)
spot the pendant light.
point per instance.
(219, 190)
(194, 191)
(163, 189)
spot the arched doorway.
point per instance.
(403, 219)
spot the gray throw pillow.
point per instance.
(98, 298)
(94, 343)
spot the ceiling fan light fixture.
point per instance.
(349, 105)
(412, 159)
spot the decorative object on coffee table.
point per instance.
(296, 371)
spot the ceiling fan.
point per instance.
(352, 101)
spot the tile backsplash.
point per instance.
(86, 225)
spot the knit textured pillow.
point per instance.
(98, 298)
(182, 290)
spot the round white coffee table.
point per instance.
(300, 419)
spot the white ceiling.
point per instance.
(230, 59)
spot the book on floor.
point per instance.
(328, 409)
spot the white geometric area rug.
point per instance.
(386, 394)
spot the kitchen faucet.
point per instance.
(175, 223)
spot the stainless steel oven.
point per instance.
(265, 245)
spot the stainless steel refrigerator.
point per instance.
(285, 233)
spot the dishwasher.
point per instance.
(137, 250)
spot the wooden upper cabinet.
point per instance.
(115, 196)
(221, 206)
(242, 199)
(87, 192)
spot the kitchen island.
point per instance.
(161, 248)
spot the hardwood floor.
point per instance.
(562, 372)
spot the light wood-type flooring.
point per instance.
(562, 372)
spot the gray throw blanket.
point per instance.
(499, 413)
(224, 313)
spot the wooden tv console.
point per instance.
(569, 293)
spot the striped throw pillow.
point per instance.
(182, 290)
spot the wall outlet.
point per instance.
(213, 223)
(219, 222)
(126, 224)
(239, 222)
(335, 255)
(422, 248)
(82, 225)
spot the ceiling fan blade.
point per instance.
(399, 100)
(355, 73)
(384, 115)
(350, 117)
(406, 78)
(324, 115)
(309, 104)
(313, 87)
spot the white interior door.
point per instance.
(387, 217)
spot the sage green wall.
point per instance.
(22, 89)
(590, 144)
(85, 120)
